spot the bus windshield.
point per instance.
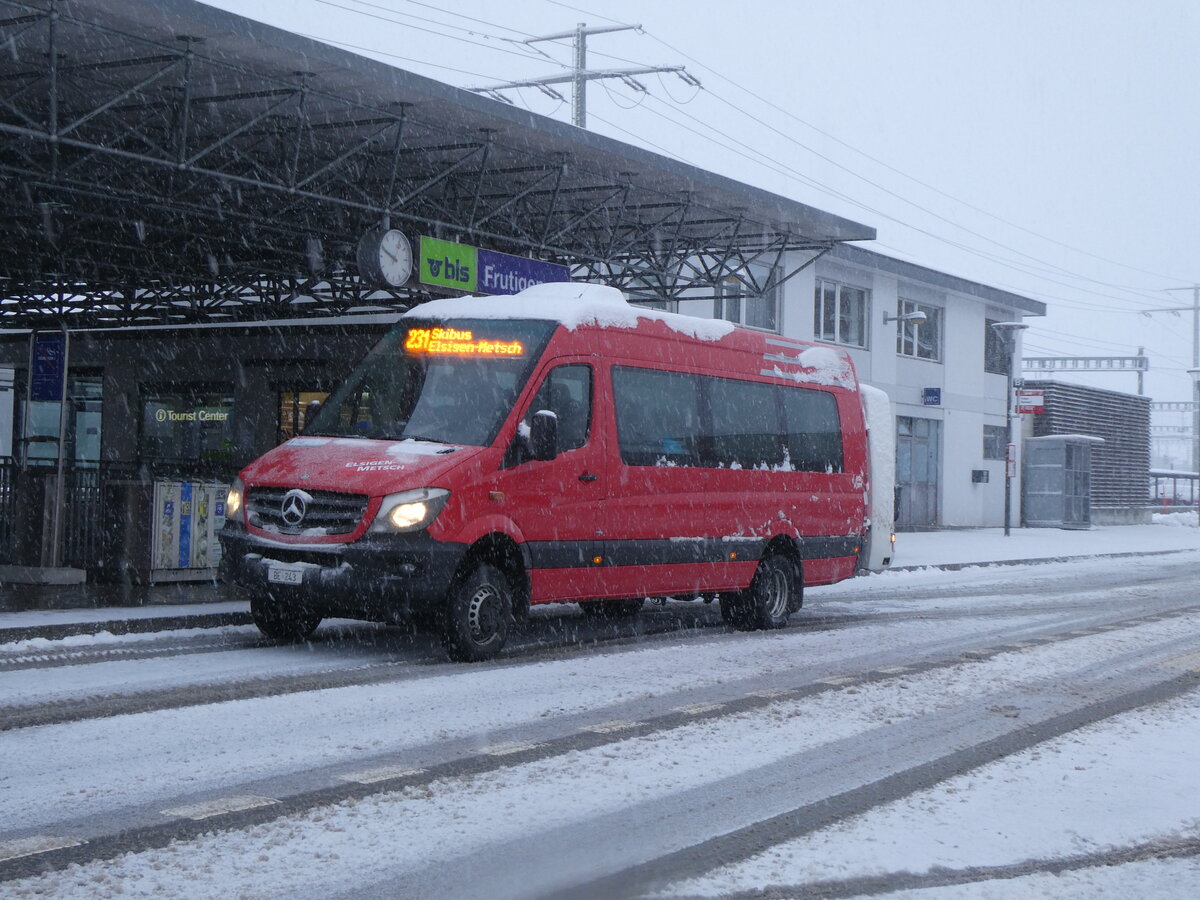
(448, 381)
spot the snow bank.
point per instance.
(1176, 518)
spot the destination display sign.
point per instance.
(458, 342)
(478, 271)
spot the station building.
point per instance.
(207, 293)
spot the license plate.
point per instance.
(276, 575)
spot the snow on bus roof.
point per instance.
(571, 304)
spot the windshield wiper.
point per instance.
(421, 437)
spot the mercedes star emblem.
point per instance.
(294, 506)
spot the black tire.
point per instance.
(612, 609)
(282, 621)
(774, 594)
(478, 613)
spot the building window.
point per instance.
(840, 314)
(187, 425)
(753, 302)
(995, 442)
(83, 419)
(995, 357)
(295, 409)
(920, 340)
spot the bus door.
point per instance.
(557, 504)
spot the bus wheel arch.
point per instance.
(489, 590)
(775, 592)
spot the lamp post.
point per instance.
(1008, 334)
(1195, 373)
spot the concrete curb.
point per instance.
(124, 626)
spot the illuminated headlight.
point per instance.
(410, 510)
(233, 500)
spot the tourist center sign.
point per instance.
(478, 271)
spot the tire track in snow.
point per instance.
(892, 882)
(81, 842)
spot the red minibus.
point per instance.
(562, 445)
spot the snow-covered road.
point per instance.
(909, 731)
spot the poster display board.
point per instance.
(186, 518)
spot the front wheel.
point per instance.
(479, 610)
(282, 621)
(773, 595)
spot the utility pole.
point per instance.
(580, 75)
(1008, 332)
(1194, 371)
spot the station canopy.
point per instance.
(163, 161)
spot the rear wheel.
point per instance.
(773, 595)
(612, 609)
(282, 621)
(478, 613)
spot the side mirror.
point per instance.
(543, 435)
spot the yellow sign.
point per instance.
(453, 342)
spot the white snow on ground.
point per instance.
(1118, 783)
(1169, 879)
(971, 545)
(32, 646)
(353, 842)
(31, 686)
(356, 842)
(934, 548)
(34, 617)
(1109, 786)
(162, 754)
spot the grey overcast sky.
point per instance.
(1047, 147)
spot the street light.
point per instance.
(1195, 373)
(1008, 334)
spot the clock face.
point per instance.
(395, 258)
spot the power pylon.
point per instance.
(580, 75)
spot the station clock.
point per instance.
(385, 257)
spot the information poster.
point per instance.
(187, 518)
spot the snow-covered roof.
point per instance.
(571, 304)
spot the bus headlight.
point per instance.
(233, 500)
(409, 510)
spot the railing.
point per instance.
(93, 504)
(8, 506)
(1174, 490)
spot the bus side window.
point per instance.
(567, 392)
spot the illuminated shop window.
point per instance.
(296, 408)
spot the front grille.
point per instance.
(327, 512)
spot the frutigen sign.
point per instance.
(477, 271)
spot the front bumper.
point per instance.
(385, 577)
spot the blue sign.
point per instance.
(500, 273)
(931, 396)
(49, 367)
(185, 525)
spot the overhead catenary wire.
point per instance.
(1032, 260)
(1030, 265)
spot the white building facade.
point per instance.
(946, 376)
